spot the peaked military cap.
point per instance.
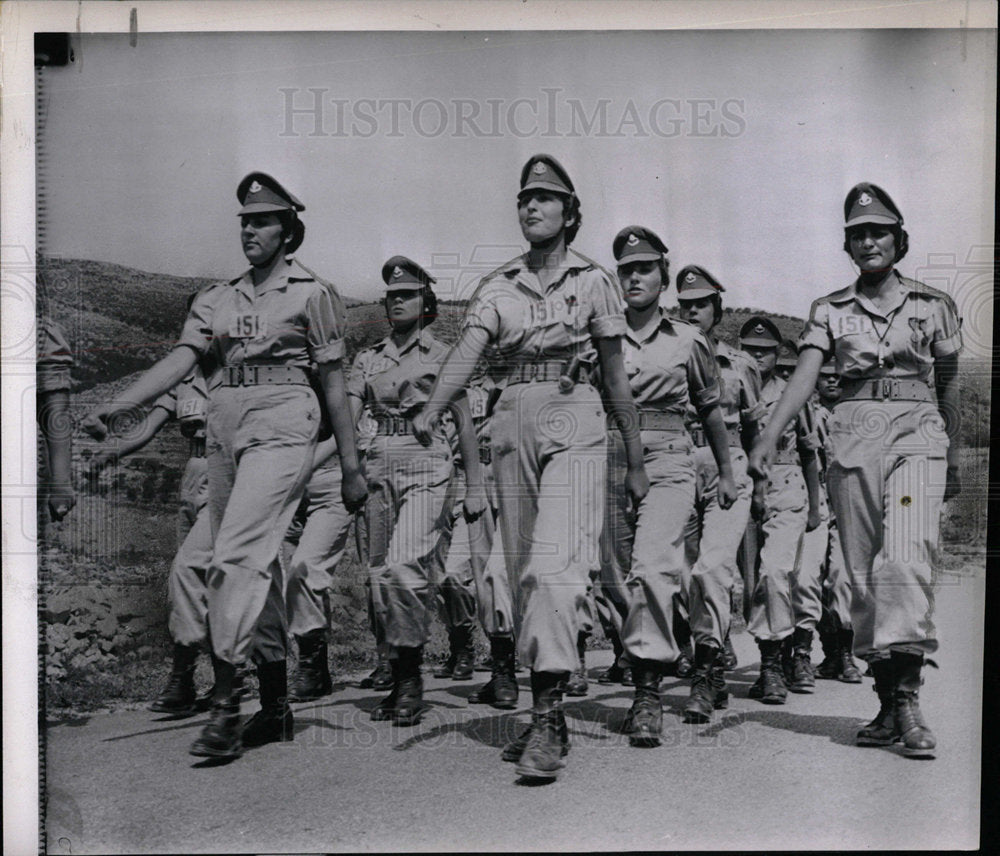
(761, 332)
(869, 203)
(403, 273)
(694, 282)
(788, 356)
(638, 244)
(829, 367)
(259, 193)
(544, 172)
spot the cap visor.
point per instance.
(759, 342)
(695, 293)
(640, 257)
(543, 185)
(261, 208)
(880, 219)
(404, 285)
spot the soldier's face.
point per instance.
(699, 312)
(261, 235)
(541, 216)
(403, 307)
(641, 282)
(873, 247)
(766, 358)
(828, 387)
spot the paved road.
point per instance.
(757, 777)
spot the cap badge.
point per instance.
(759, 329)
(690, 277)
(864, 199)
(397, 272)
(632, 240)
(255, 187)
(539, 168)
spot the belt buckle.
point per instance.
(889, 389)
(236, 374)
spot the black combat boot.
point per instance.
(849, 672)
(720, 691)
(881, 731)
(461, 657)
(178, 697)
(405, 703)
(500, 690)
(802, 678)
(312, 679)
(917, 739)
(615, 673)
(577, 683)
(380, 677)
(770, 686)
(644, 720)
(829, 669)
(701, 702)
(220, 738)
(273, 723)
(546, 743)
(727, 659)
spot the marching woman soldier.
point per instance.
(789, 497)
(541, 316)
(187, 593)
(670, 367)
(713, 533)
(407, 483)
(895, 452)
(836, 634)
(263, 331)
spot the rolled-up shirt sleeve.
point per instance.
(197, 333)
(704, 385)
(607, 317)
(947, 329)
(816, 333)
(482, 311)
(325, 320)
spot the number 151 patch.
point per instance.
(851, 325)
(249, 325)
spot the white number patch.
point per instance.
(851, 325)
(191, 407)
(249, 325)
(552, 310)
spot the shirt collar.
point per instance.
(903, 288)
(277, 279)
(665, 323)
(517, 269)
(424, 340)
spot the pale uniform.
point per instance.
(314, 546)
(669, 370)
(772, 615)
(474, 562)
(261, 439)
(713, 534)
(407, 484)
(187, 593)
(887, 478)
(836, 585)
(548, 442)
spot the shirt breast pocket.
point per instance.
(844, 326)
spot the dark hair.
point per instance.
(571, 208)
(901, 238)
(716, 300)
(293, 227)
(430, 307)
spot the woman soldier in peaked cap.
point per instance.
(895, 447)
(542, 317)
(259, 334)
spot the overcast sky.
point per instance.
(737, 147)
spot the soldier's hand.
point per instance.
(61, 500)
(636, 485)
(813, 520)
(727, 492)
(759, 461)
(475, 502)
(96, 422)
(423, 427)
(758, 507)
(354, 491)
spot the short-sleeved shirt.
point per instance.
(292, 318)
(529, 322)
(55, 359)
(395, 382)
(188, 403)
(824, 440)
(671, 368)
(920, 324)
(739, 390)
(799, 433)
